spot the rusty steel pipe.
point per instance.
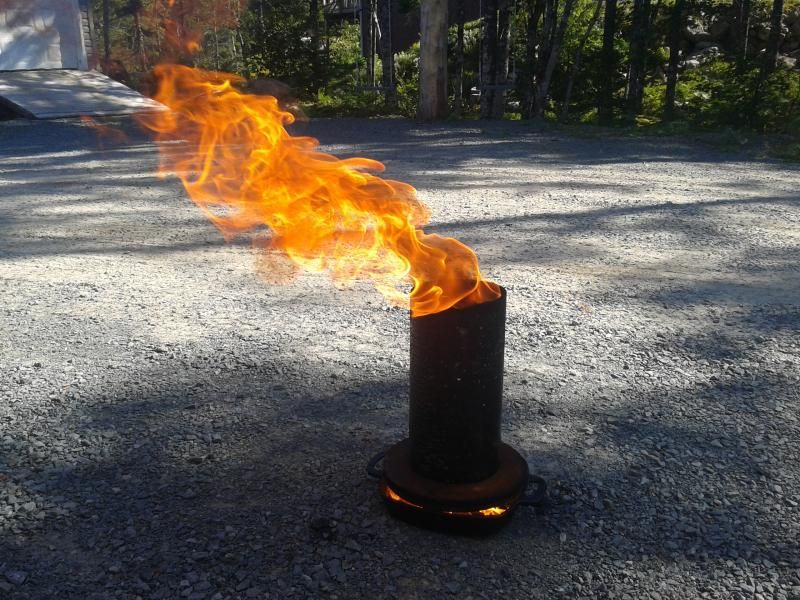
(456, 392)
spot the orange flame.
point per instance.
(106, 134)
(492, 511)
(245, 171)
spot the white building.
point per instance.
(45, 34)
(46, 52)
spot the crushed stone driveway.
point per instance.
(171, 425)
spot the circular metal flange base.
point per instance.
(479, 507)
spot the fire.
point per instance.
(106, 135)
(246, 172)
(493, 511)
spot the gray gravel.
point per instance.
(171, 426)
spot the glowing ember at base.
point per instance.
(491, 512)
(476, 507)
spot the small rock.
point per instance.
(16, 577)
(453, 587)
(353, 545)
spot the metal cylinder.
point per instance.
(456, 392)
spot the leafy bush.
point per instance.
(345, 103)
(277, 45)
(778, 109)
(716, 94)
(407, 70)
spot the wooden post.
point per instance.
(433, 60)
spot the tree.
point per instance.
(576, 60)
(676, 21)
(638, 55)
(774, 39)
(387, 54)
(458, 99)
(433, 60)
(535, 9)
(554, 37)
(277, 44)
(770, 58)
(107, 30)
(501, 58)
(605, 105)
(741, 31)
(138, 35)
(494, 62)
(316, 59)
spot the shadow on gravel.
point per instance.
(505, 142)
(206, 472)
(581, 220)
(44, 187)
(694, 489)
(248, 478)
(173, 482)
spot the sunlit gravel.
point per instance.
(171, 425)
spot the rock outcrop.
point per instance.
(707, 38)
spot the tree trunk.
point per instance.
(638, 54)
(140, 49)
(543, 85)
(576, 61)
(769, 59)
(313, 22)
(107, 30)
(532, 39)
(488, 57)
(605, 105)
(433, 60)
(216, 47)
(543, 53)
(496, 39)
(675, 30)
(387, 56)
(367, 43)
(459, 83)
(500, 75)
(741, 31)
(774, 40)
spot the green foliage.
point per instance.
(277, 43)
(341, 95)
(344, 94)
(778, 108)
(471, 79)
(407, 73)
(653, 100)
(345, 103)
(715, 95)
(406, 6)
(273, 39)
(589, 77)
(589, 117)
(346, 61)
(788, 151)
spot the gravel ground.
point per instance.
(172, 426)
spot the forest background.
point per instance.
(660, 66)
